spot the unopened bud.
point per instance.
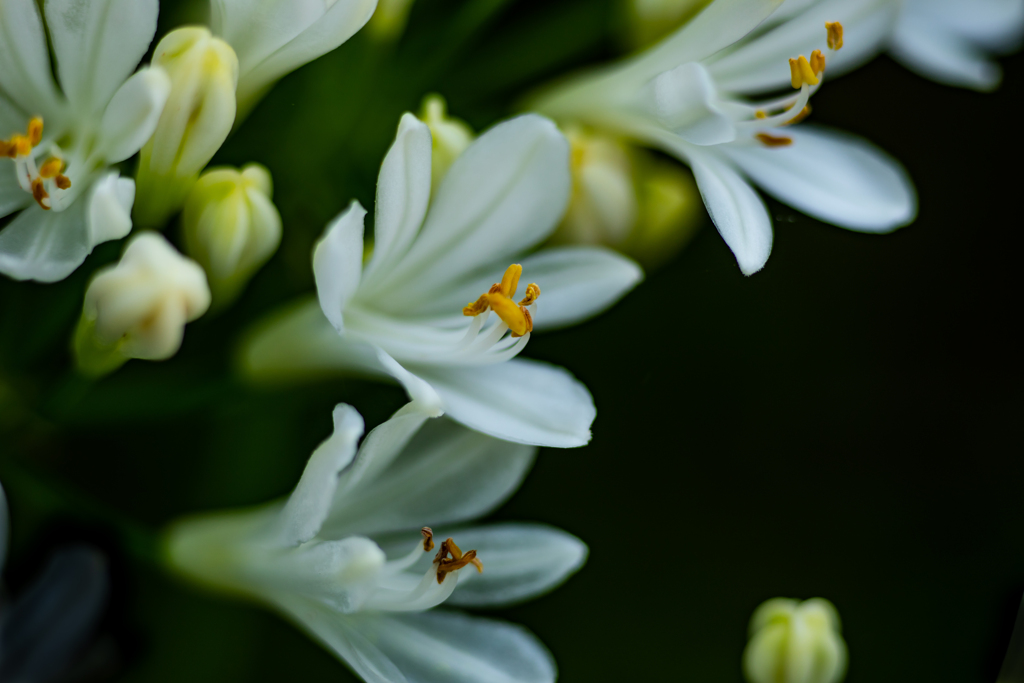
(795, 642)
(138, 307)
(195, 122)
(231, 227)
(388, 21)
(451, 137)
(649, 21)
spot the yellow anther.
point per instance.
(22, 145)
(759, 114)
(51, 168)
(40, 194)
(35, 130)
(801, 115)
(835, 34)
(774, 140)
(817, 62)
(499, 299)
(62, 181)
(428, 539)
(801, 72)
(458, 560)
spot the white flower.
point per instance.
(275, 37)
(405, 314)
(231, 227)
(685, 96)
(795, 642)
(62, 141)
(345, 558)
(138, 307)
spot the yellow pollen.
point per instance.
(835, 34)
(428, 539)
(62, 181)
(21, 145)
(51, 168)
(499, 298)
(759, 114)
(458, 560)
(40, 194)
(801, 72)
(817, 62)
(774, 140)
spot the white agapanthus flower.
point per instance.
(687, 96)
(405, 314)
(950, 41)
(61, 141)
(347, 557)
(275, 37)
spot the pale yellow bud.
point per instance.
(652, 20)
(795, 642)
(451, 137)
(195, 121)
(388, 21)
(138, 307)
(231, 227)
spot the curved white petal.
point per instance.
(504, 194)
(833, 176)
(310, 502)
(762, 63)
(685, 101)
(12, 196)
(437, 647)
(444, 474)
(12, 118)
(524, 401)
(735, 208)
(109, 213)
(996, 25)
(403, 192)
(132, 115)
(418, 389)
(25, 74)
(98, 43)
(338, 262)
(936, 52)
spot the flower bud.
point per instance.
(138, 308)
(231, 227)
(388, 22)
(648, 21)
(795, 642)
(195, 122)
(626, 198)
(451, 137)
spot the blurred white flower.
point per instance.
(138, 307)
(404, 315)
(194, 124)
(231, 227)
(795, 642)
(275, 37)
(61, 141)
(345, 557)
(686, 97)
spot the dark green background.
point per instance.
(845, 423)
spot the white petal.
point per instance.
(420, 392)
(109, 214)
(735, 208)
(521, 400)
(12, 118)
(449, 647)
(991, 24)
(25, 74)
(12, 196)
(403, 192)
(833, 176)
(338, 262)
(935, 51)
(721, 24)
(43, 245)
(504, 194)
(132, 114)
(445, 474)
(520, 561)
(685, 102)
(310, 502)
(761, 64)
(98, 43)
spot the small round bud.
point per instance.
(138, 307)
(451, 137)
(231, 227)
(795, 642)
(388, 21)
(648, 21)
(195, 121)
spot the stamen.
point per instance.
(532, 294)
(35, 130)
(62, 181)
(40, 194)
(801, 72)
(458, 559)
(499, 299)
(835, 34)
(774, 140)
(428, 539)
(31, 179)
(817, 62)
(760, 114)
(804, 113)
(51, 168)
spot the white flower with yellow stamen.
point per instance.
(686, 96)
(347, 557)
(404, 315)
(59, 142)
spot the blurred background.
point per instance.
(845, 423)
